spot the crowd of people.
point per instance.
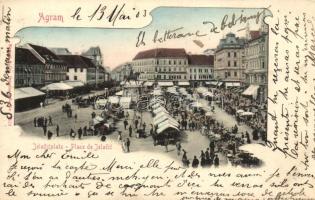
(232, 102)
(224, 142)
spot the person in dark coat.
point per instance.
(144, 125)
(45, 130)
(166, 144)
(184, 155)
(216, 161)
(151, 131)
(49, 135)
(125, 124)
(45, 122)
(136, 123)
(50, 121)
(212, 146)
(207, 154)
(72, 133)
(57, 130)
(80, 133)
(35, 122)
(84, 131)
(248, 138)
(128, 145)
(130, 131)
(202, 159)
(195, 162)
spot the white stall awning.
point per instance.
(251, 91)
(113, 99)
(165, 84)
(232, 84)
(26, 92)
(183, 83)
(57, 86)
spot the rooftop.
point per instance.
(60, 51)
(161, 53)
(25, 56)
(46, 54)
(77, 61)
(231, 42)
(93, 51)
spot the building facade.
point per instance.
(229, 59)
(200, 67)
(55, 68)
(29, 70)
(80, 68)
(121, 72)
(95, 54)
(161, 64)
(256, 63)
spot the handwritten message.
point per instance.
(292, 92)
(6, 107)
(89, 174)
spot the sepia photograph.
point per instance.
(186, 91)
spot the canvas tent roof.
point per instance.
(160, 109)
(74, 83)
(183, 83)
(26, 92)
(202, 90)
(57, 86)
(251, 91)
(113, 99)
(232, 84)
(119, 93)
(171, 122)
(125, 99)
(160, 114)
(162, 117)
(97, 120)
(125, 102)
(149, 83)
(166, 126)
(165, 84)
(131, 84)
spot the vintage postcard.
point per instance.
(187, 100)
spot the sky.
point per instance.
(119, 45)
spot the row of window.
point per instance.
(170, 69)
(255, 50)
(53, 76)
(257, 78)
(200, 77)
(29, 68)
(233, 74)
(160, 62)
(229, 54)
(234, 63)
(255, 64)
(199, 70)
(56, 67)
(76, 70)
